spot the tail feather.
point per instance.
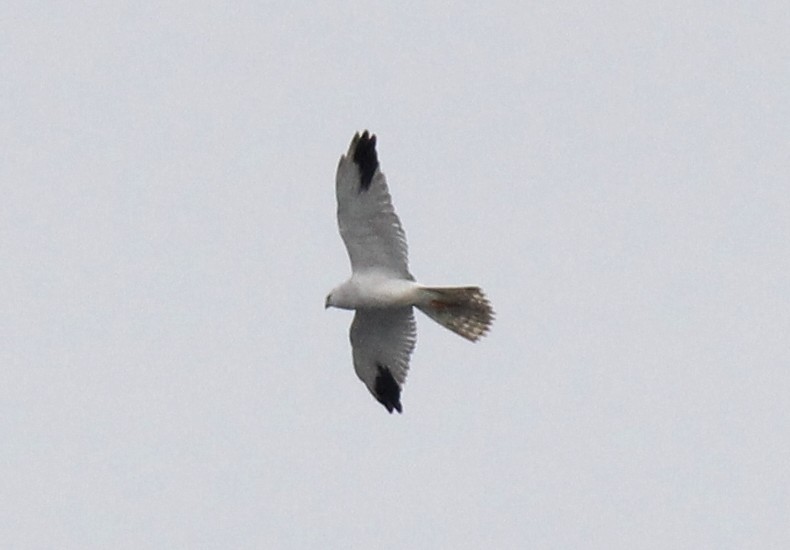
(464, 310)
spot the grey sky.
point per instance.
(614, 175)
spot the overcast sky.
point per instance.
(615, 175)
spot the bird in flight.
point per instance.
(381, 289)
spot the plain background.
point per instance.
(614, 174)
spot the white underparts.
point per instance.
(375, 291)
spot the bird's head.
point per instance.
(338, 297)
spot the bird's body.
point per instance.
(381, 289)
(375, 290)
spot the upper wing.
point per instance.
(382, 341)
(368, 224)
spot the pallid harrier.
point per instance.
(381, 289)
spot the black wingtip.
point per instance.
(365, 158)
(387, 390)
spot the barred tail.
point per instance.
(464, 310)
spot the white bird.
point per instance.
(381, 289)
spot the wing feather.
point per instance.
(368, 224)
(382, 341)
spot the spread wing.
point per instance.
(382, 341)
(368, 224)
